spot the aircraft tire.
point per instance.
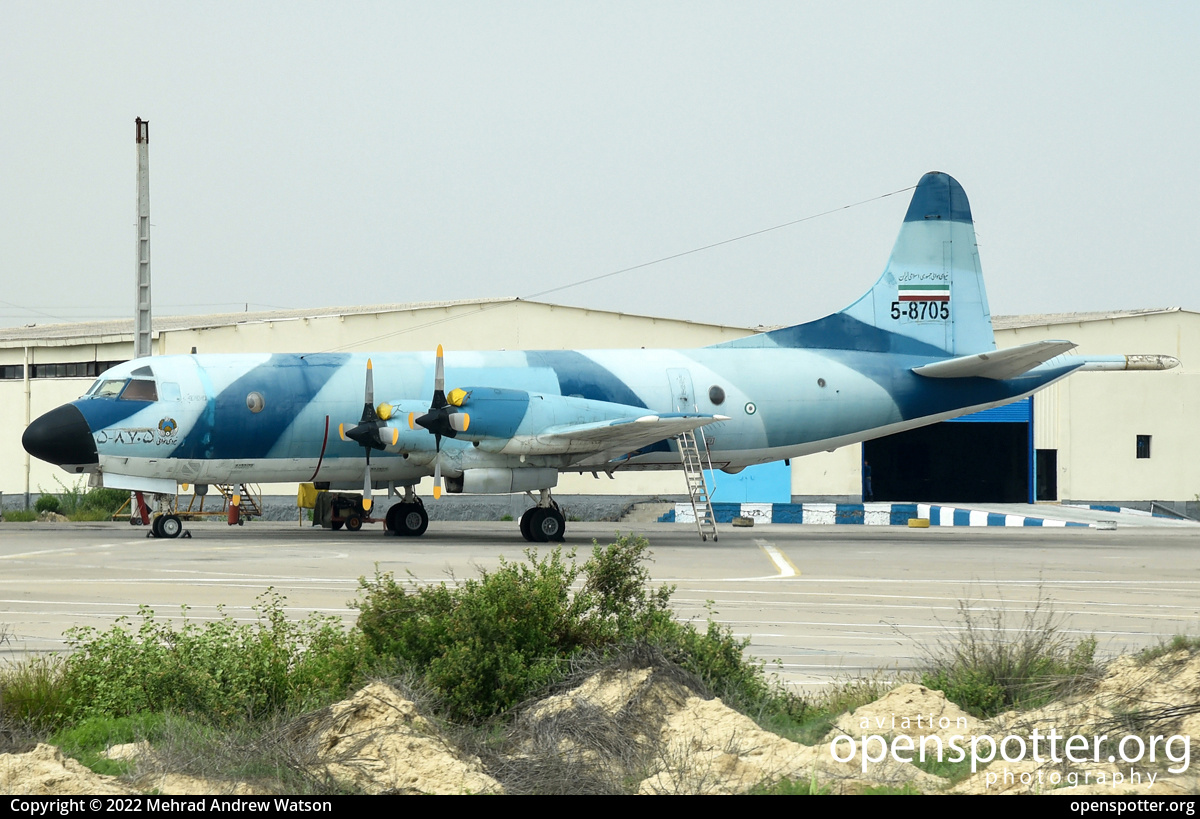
(353, 523)
(413, 520)
(169, 526)
(547, 526)
(337, 524)
(526, 520)
(156, 526)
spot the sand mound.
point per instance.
(378, 742)
(44, 771)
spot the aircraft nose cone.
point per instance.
(62, 437)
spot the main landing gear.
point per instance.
(407, 518)
(544, 523)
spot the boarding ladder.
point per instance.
(250, 498)
(693, 470)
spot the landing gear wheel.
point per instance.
(337, 524)
(169, 526)
(413, 520)
(353, 523)
(156, 526)
(526, 520)
(547, 525)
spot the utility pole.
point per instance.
(141, 316)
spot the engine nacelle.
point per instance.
(502, 481)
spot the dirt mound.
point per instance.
(44, 771)
(376, 741)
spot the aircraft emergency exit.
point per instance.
(915, 349)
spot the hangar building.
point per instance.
(1097, 437)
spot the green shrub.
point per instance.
(20, 515)
(221, 670)
(487, 644)
(46, 503)
(988, 666)
(107, 501)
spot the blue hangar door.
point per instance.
(982, 458)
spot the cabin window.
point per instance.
(140, 390)
(170, 391)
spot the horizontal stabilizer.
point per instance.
(997, 364)
(619, 436)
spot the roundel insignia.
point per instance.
(750, 408)
(167, 426)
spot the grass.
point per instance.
(20, 515)
(88, 739)
(1180, 642)
(990, 664)
(32, 694)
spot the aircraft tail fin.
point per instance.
(930, 299)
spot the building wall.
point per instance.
(1093, 419)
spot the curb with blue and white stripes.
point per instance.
(862, 514)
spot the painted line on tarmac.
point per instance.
(785, 566)
(67, 550)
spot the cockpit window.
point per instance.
(107, 389)
(140, 390)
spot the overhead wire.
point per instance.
(485, 307)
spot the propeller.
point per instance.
(443, 419)
(371, 432)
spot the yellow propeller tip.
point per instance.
(439, 351)
(437, 492)
(366, 504)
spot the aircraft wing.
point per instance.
(997, 364)
(616, 437)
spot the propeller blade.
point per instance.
(437, 476)
(367, 499)
(439, 382)
(369, 399)
(459, 421)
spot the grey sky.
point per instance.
(350, 153)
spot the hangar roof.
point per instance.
(122, 329)
(1044, 319)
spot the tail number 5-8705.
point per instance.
(920, 310)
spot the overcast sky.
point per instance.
(317, 154)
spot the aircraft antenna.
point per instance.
(141, 305)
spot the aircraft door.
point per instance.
(683, 398)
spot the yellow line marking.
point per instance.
(785, 566)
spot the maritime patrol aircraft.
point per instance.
(915, 349)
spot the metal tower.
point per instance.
(141, 320)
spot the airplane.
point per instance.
(917, 348)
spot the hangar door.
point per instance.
(980, 458)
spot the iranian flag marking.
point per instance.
(925, 292)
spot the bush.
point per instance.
(107, 501)
(488, 644)
(222, 670)
(989, 666)
(47, 503)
